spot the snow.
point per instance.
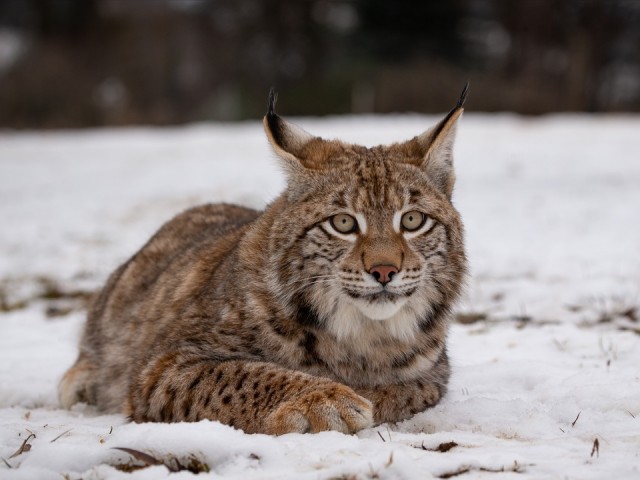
(545, 364)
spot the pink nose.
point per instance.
(383, 273)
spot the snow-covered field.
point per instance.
(546, 358)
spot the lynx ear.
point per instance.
(435, 147)
(289, 141)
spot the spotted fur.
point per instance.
(277, 322)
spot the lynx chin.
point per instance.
(328, 310)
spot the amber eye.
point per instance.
(344, 223)
(412, 220)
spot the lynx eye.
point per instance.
(344, 223)
(412, 220)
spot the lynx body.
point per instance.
(327, 311)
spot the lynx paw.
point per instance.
(327, 407)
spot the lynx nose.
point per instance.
(383, 273)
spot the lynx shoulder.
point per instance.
(328, 310)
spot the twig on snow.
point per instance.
(61, 435)
(573, 424)
(138, 455)
(25, 447)
(596, 448)
(390, 461)
(442, 448)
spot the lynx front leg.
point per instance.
(254, 396)
(396, 402)
(393, 403)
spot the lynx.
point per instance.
(328, 310)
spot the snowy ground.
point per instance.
(546, 381)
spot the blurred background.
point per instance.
(88, 63)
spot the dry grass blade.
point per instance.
(61, 435)
(455, 473)
(596, 448)
(443, 447)
(138, 455)
(173, 464)
(573, 424)
(25, 447)
(7, 463)
(516, 468)
(390, 461)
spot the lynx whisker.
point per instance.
(312, 280)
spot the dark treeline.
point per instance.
(70, 63)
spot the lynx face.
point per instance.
(373, 237)
(386, 263)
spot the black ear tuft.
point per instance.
(463, 96)
(435, 132)
(273, 120)
(271, 107)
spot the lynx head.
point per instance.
(366, 239)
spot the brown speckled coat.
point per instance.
(327, 311)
